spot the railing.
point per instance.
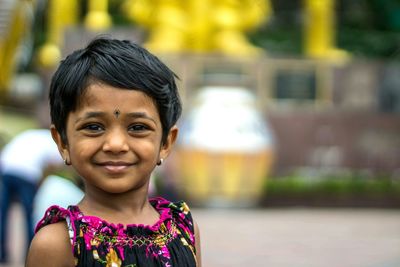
(275, 81)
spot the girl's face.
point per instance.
(114, 139)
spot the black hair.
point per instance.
(118, 63)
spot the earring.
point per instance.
(160, 162)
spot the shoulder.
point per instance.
(189, 226)
(179, 209)
(51, 240)
(197, 244)
(53, 214)
(181, 214)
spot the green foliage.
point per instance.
(365, 28)
(351, 185)
(278, 40)
(373, 44)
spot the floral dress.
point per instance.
(95, 242)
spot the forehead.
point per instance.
(107, 96)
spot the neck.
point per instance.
(126, 208)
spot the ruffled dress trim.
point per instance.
(117, 243)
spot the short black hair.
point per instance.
(118, 63)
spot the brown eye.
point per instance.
(93, 127)
(138, 128)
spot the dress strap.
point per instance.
(52, 215)
(180, 212)
(71, 231)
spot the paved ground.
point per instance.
(300, 237)
(287, 237)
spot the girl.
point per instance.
(114, 108)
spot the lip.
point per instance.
(115, 166)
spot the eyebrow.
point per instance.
(91, 114)
(96, 114)
(142, 115)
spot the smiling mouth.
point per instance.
(115, 166)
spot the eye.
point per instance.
(92, 127)
(138, 128)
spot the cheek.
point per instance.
(83, 148)
(149, 147)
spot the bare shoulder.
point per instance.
(51, 247)
(197, 243)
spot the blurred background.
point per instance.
(291, 111)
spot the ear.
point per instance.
(62, 147)
(167, 146)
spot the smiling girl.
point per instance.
(114, 108)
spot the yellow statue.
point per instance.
(319, 34)
(231, 19)
(98, 18)
(63, 14)
(199, 25)
(14, 28)
(167, 20)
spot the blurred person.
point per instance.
(24, 160)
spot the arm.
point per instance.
(51, 247)
(197, 244)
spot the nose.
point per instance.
(116, 141)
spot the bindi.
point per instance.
(117, 113)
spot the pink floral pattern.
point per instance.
(95, 242)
